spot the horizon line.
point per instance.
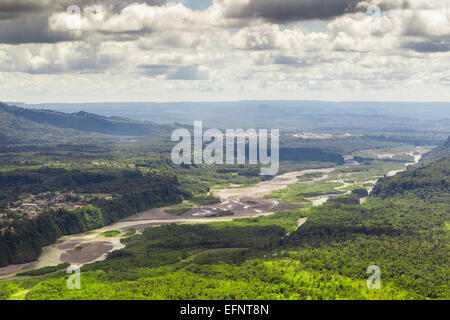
(230, 101)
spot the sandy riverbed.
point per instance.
(244, 202)
(420, 151)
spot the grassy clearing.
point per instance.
(287, 220)
(205, 200)
(177, 211)
(45, 270)
(310, 176)
(298, 192)
(129, 233)
(111, 234)
(369, 172)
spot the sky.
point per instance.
(224, 50)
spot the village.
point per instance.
(32, 205)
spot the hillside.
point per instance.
(327, 258)
(431, 180)
(26, 125)
(134, 192)
(439, 152)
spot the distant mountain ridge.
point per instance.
(289, 115)
(28, 125)
(22, 123)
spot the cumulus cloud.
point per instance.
(386, 5)
(174, 72)
(134, 18)
(232, 47)
(257, 38)
(30, 21)
(66, 57)
(433, 23)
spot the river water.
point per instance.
(95, 247)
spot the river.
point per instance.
(246, 202)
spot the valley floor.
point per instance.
(255, 206)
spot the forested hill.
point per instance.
(27, 125)
(431, 180)
(441, 151)
(135, 193)
(327, 258)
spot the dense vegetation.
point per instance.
(45, 270)
(431, 181)
(26, 125)
(137, 193)
(441, 151)
(403, 233)
(403, 227)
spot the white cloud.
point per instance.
(157, 52)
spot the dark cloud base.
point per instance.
(26, 21)
(285, 11)
(429, 46)
(175, 72)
